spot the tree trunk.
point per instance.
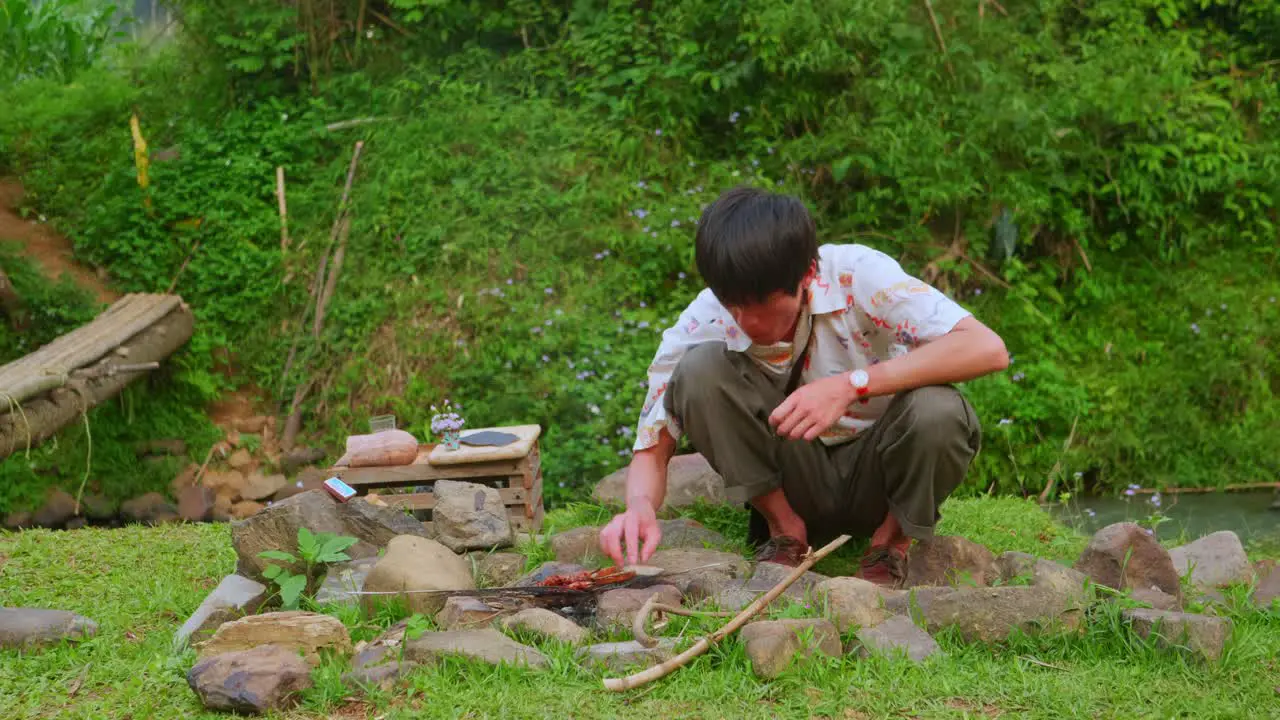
(41, 417)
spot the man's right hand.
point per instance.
(625, 533)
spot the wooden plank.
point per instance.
(421, 472)
(511, 496)
(466, 454)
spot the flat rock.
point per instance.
(276, 528)
(232, 599)
(767, 575)
(1123, 556)
(225, 482)
(255, 680)
(700, 570)
(617, 608)
(579, 545)
(195, 503)
(897, 635)
(240, 460)
(949, 560)
(342, 580)
(991, 614)
(58, 508)
(486, 645)
(772, 645)
(309, 479)
(496, 569)
(304, 632)
(417, 563)
(620, 657)
(546, 570)
(1268, 587)
(27, 628)
(1204, 635)
(688, 533)
(914, 602)
(246, 509)
(690, 479)
(1215, 560)
(852, 602)
(464, 613)
(1156, 598)
(149, 509)
(262, 487)
(470, 516)
(545, 623)
(184, 479)
(383, 675)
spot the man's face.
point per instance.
(774, 319)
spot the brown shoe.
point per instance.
(784, 550)
(885, 566)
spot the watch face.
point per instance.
(859, 378)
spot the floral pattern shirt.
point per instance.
(864, 309)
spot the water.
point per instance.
(1195, 514)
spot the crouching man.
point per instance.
(816, 380)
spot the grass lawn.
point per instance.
(139, 584)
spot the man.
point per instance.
(863, 434)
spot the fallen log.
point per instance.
(28, 423)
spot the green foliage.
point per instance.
(57, 39)
(314, 551)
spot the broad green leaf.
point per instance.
(272, 571)
(291, 590)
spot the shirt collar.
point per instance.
(826, 295)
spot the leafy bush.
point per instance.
(55, 38)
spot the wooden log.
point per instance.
(40, 418)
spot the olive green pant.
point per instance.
(914, 456)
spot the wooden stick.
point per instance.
(284, 210)
(652, 605)
(705, 643)
(937, 32)
(338, 223)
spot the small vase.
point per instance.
(452, 439)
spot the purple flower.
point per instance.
(1155, 500)
(658, 132)
(641, 184)
(546, 359)
(1195, 328)
(1090, 512)
(675, 223)
(548, 291)
(681, 276)
(599, 256)
(640, 213)
(1019, 376)
(733, 116)
(769, 149)
(1005, 421)
(1129, 492)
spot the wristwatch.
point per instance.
(860, 381)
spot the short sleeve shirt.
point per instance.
(864, 309)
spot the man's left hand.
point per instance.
(813, 408)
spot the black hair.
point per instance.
(751, 243)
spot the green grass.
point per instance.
(139, 584)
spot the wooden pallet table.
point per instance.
(518, 478)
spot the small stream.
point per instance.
(1195, 514)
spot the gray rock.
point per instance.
(579, 545)
(276, 528)
(58, 508)
(772, 645)
(1203, 635)
(97, 507)
(466, 613)
(852, 602)
(298, 457)
(617, 608)
(1215, 560)
(27, 628)
(232, 599)
(688, 533)
(382, 676)
(897, 635)
(541, 621)
(76, 523)
(914, 602)
(1154, 597)
(470, 516)
(257, 680)
(195, 503)
(308, 479)
(546, 570)
(487, 645)
(991, 614)
(767, 575)
(1123, 556)
(697, 572)
(341, 580)
(949, 560)
(240, 460)
(1268, 587)
(1042, 573)
(690, 479)
(620, 657)
(149, 509)
(305, 632)
(495, 569)
(417, 564)
(261, 487)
